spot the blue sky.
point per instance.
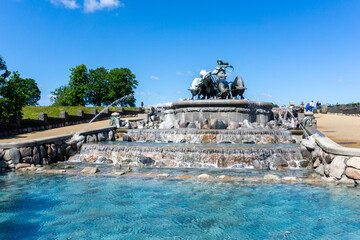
(284, 50)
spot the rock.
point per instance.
(324, 109)
(327, 169)
(346, 181)
(204, 176)
(329, 158)
(27, 159)
(278, 161)
(2, 153)
(233, 125)
(15, 155)
(212, 123)
(117, 165)
(111, 136)
(354, 162)
(6, 156)
(328, 180)
(310, 143)
(90, 139)
(36, 156)
(54, 150)
(257, 164)
(272, 177)
(316, 163)
(184, 176)
(352, 173)
(42, 151)
(31, 169)
(147, 161)
(22, 165)
(304, 164)
(91, 158)
(289, 179)
(127, 138)
(128, 169)
(305, 153)
(225, 177)
(101, 137)
(206, 127)
(337, 167)
(3, 164)
(219, 124)
(184, 125)
(90, 170)
(292, 164)
(101, 159)
(163, 175)
(26, 151)
(191, 125)
(118, 173)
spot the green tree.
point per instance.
(98, 86)
(122, 82)
(78, 85)
(61, 96)
(3, 70)
(16, 93)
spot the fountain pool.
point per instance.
(103, 207)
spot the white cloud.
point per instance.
(95, 5)
(155, 78)
(88, 5)
(179, 73)
(70, 4)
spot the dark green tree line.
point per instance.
(15, 92)
(98, 87)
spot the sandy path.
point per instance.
(340, 128)
(56, 131)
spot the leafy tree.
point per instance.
(98, 86)
(122, 82)
(3, 67)
(16, 93)
(78, 85)
(61, 96)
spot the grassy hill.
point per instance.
(31, 112)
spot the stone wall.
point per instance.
(44, 122)
(332, 161)
(49, 150)
(343, 109)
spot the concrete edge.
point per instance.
(330, 146)
(40, 141)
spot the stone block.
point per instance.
(26, 151)
(354, 162)
(352, 173)
(15, 155)
(337, 167)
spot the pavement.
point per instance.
(342, 129)
(58, 131)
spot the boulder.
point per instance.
(329, 158)
(91, 158)
(42, 151)
(225, 177)
(6, 156)
(22, 165)
(111, 136)
(272, 177)
(204, 176)
(305, 153)
(15, 155)
(304, 164)
(90, 170)
(310, 143)
(26, 151)
(278, 161)
(165, 175)
(354, 162)
(316, 163)
(289, 179)
(101, 137)
(147, 161)
(320, 169)
(337, 167)
(184, 125)
(27, 159)
(2, 153)
(352, 173)
(36, 156)
(219, 124)
(233, 125)
(191, 125)
(127, 138)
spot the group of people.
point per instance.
(310, 106)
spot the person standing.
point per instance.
(312, 105)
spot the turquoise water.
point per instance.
(100, 207)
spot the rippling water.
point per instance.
(78, 207)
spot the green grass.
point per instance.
(31, 112)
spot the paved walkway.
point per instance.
(57, 131)
(342, 129)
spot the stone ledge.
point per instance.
(330, 146)
(52, 139)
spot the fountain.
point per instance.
(213, 131)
